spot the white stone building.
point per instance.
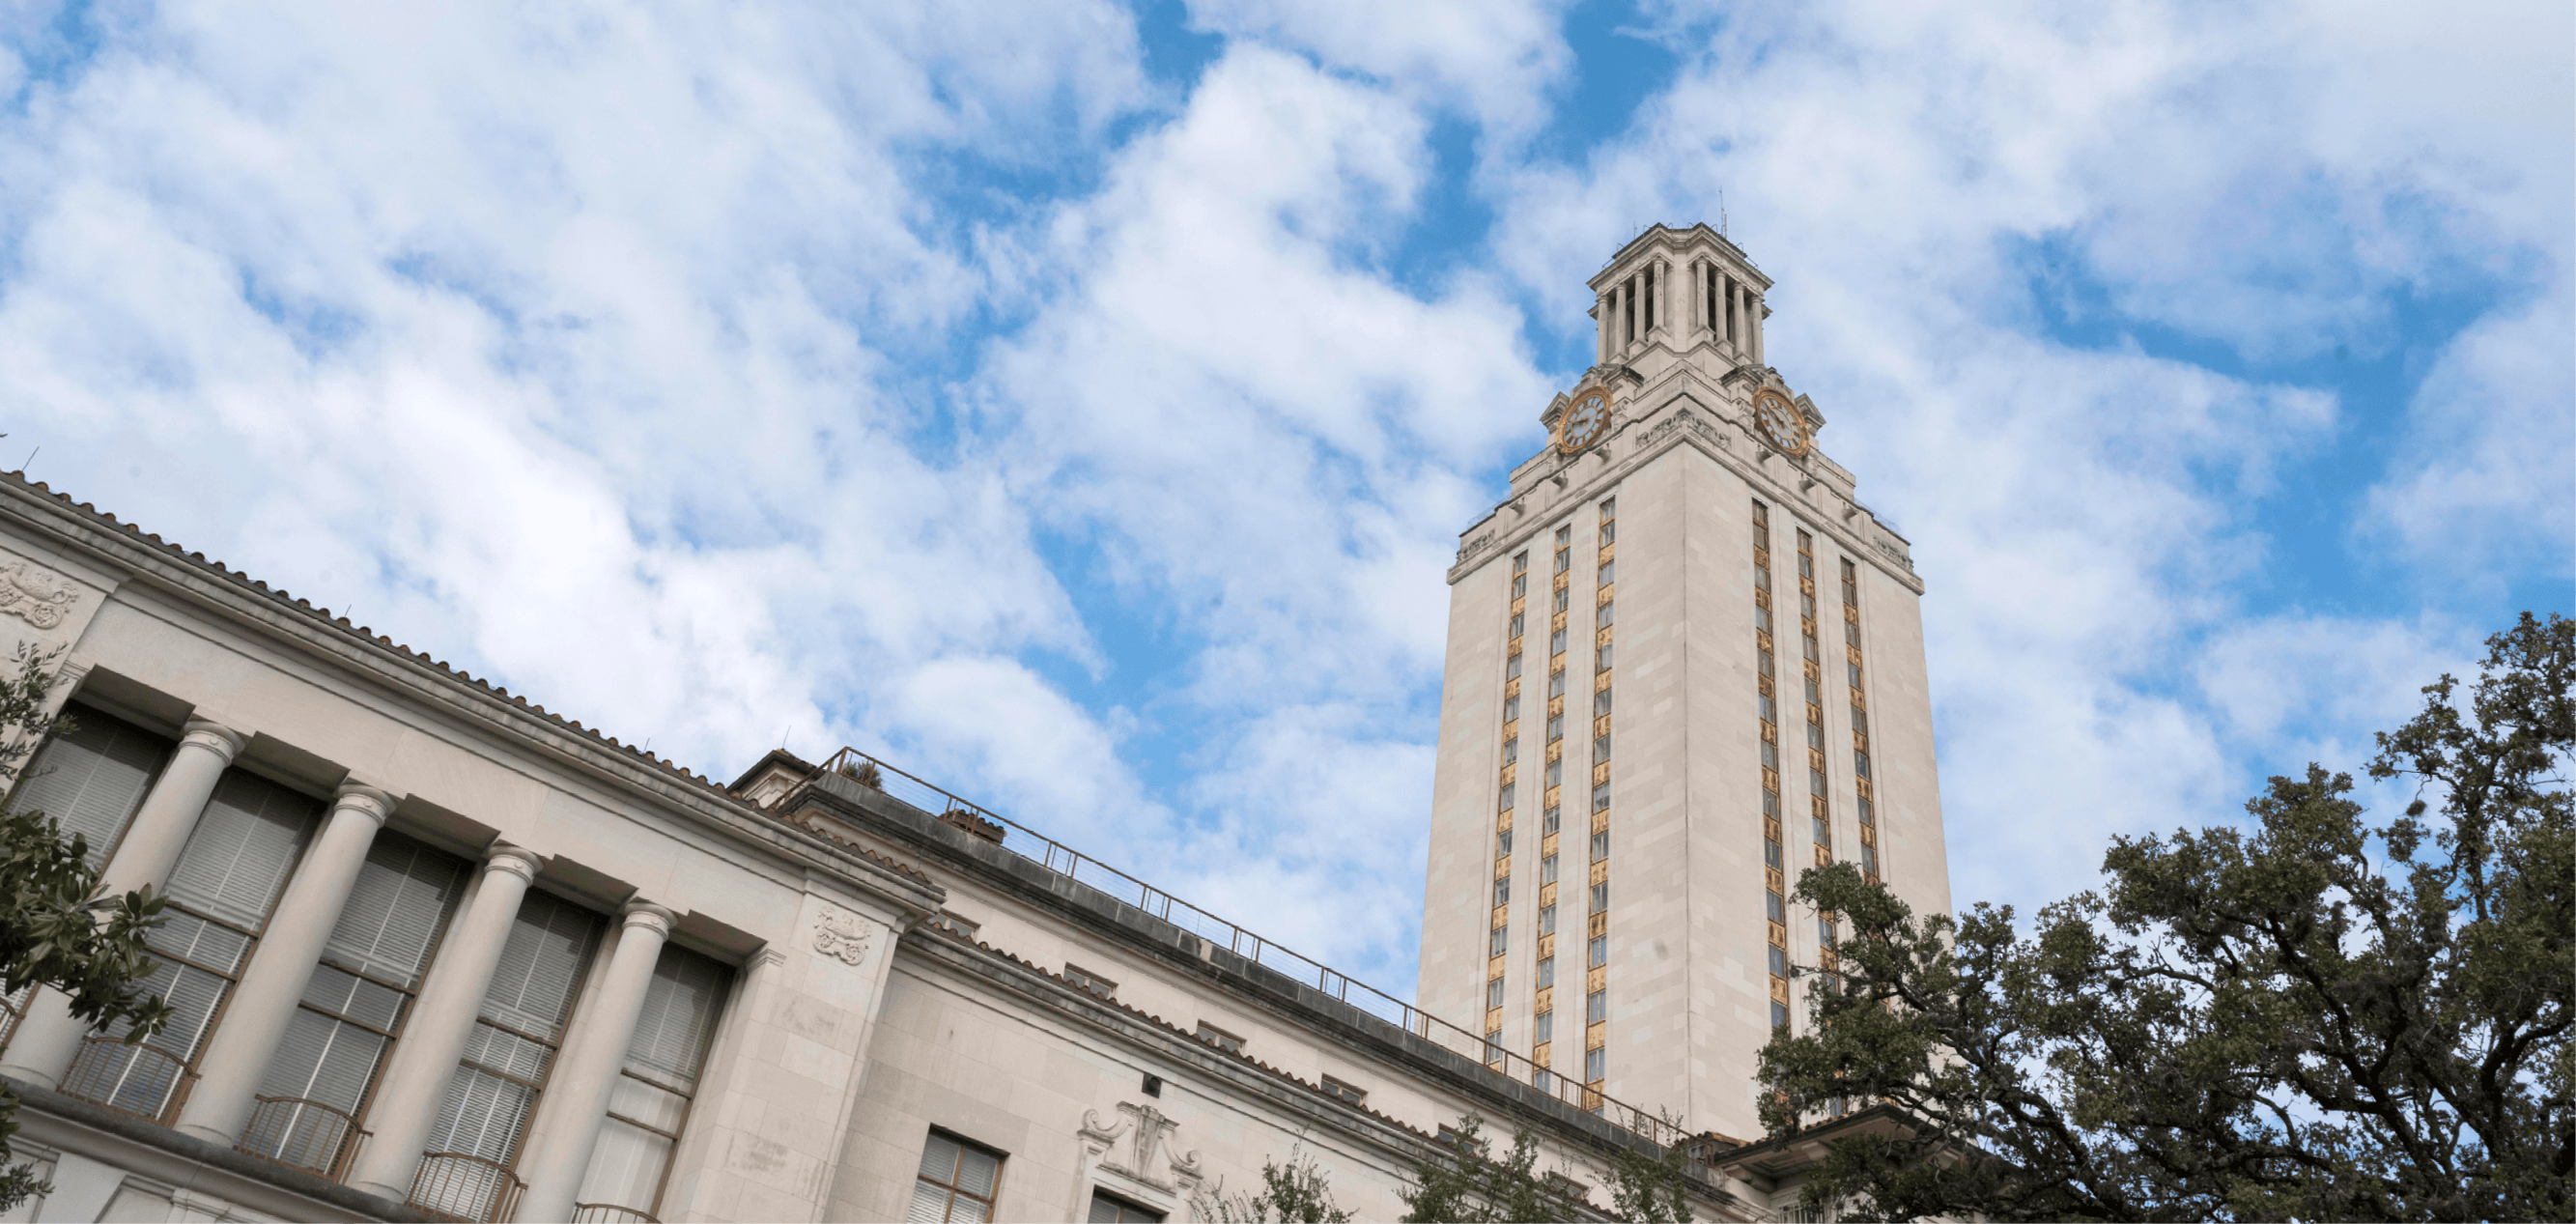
(1684, 664)
(437, 954)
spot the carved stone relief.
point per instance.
(1682, 419)
(842, 936)
(1138, 1146)
(43, 600)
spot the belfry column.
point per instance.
(1753, 323)
(415, 1082)
(576, 1101)
(1604, 309)
(50, 1037)
(237, 1056)
(1664, 299)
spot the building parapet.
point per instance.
(1167, 923)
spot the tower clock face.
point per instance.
(1781, 423)
(1584, 420)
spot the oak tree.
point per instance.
(54, 930)
(2311, 1014)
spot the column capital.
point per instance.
(517, 860)
(365, 800)
(214, 737)
(640, 912)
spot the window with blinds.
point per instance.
(92, 777)
(649, 1104)
(236, 862)
(317, 1085)
(467, 1166)
(1106, 1209)
(956, 1182)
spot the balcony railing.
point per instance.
(1377, 1004)
(130, 1077)
(303, 1132)
(609, 1213)
(464, 1186)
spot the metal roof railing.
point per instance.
(1377, 1004)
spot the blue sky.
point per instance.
(1077, 403)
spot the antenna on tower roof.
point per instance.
(1721, 212)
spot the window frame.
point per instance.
(1001, 1162)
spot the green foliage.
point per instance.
(2258, 1022)
(1461, 1181)
(1298, 1192)
(1651, 1190)
(53, 932)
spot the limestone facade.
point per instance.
(1687, 984)
(448, 956)
(441, 954)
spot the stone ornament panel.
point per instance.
(41, 599)
(1147, 1133)
(842, 936)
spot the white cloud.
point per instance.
(2085, 515)
(1267, 441)
(2481, 488)
(1495, 60)
(762, 346)
(493, 322)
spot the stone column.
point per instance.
(424, 1060)
(1664, 298)
(1753, 324)
(576, 1102)
(1604, 308)
(1699, 295)
(238, 1053)
(49, 1038)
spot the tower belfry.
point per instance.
(1684, 663)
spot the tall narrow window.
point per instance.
(353, 1011)
(956, 1182)
(1863, 784)
(89, 779)
(235, 863)
(467, 1171)
(1774, 883)
(92, 777)
(650, 1102)
(1604, 622)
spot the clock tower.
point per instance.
(1684, 663)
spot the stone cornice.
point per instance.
(1153, 1035)
(217, 593)
(1716, 429)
